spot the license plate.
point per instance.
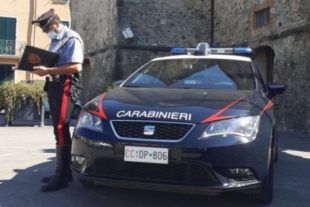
(146, 154)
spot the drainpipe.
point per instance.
(212, 23)
(34, 27)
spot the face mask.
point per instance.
(52, 34)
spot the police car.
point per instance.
(199, 121)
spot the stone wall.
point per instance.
(292, 68)
(237, 24)
(165, 23)
(97, 24)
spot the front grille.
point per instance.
(173, 173)
(165, 131)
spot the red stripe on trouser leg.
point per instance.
(64, 102)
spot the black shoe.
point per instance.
(47, 179)
(56, 183)
(59, 180)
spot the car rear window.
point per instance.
(195, 73)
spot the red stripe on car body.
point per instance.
(100, 113)
(217, 117)
(268, 106)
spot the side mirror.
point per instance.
(275, 89)
(117, 83)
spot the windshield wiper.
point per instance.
(193, 88)
(135, 86)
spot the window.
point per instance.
(67, 23)
(7, 35)
(6, 73)
(261, 80)
(262, 17)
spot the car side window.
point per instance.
(261, 80)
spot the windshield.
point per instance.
(194, 73)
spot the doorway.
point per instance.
(263, 58)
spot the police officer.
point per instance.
(63, 89)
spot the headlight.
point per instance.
(87, 120)
(244, 126)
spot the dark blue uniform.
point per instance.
(62, 91)
(60, 101)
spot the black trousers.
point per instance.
(61, 107)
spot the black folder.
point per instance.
(34, 56)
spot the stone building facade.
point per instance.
(276, 29)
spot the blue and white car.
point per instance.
(199, 121)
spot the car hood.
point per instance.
(179, 105)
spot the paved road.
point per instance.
(28, 153)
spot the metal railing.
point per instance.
(7, 47)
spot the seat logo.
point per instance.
(149, 130)
(33, 59)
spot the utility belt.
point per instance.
(51, 78)
(75, 84)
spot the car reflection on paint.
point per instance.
(202, 122)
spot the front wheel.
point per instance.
(266, 195)
(275, 152)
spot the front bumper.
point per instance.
(190, 170)
(249, 187)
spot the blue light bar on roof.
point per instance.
(178, 51)
(204, 49)
(243, 50)
(222, 50)
(201, 49)
(232, 50)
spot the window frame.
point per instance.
(16, 33)
(69, 22)
(265, 14)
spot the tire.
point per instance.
(76, 111)
(275, 152)
(87, 183)
(266, 195)
(276, 148)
